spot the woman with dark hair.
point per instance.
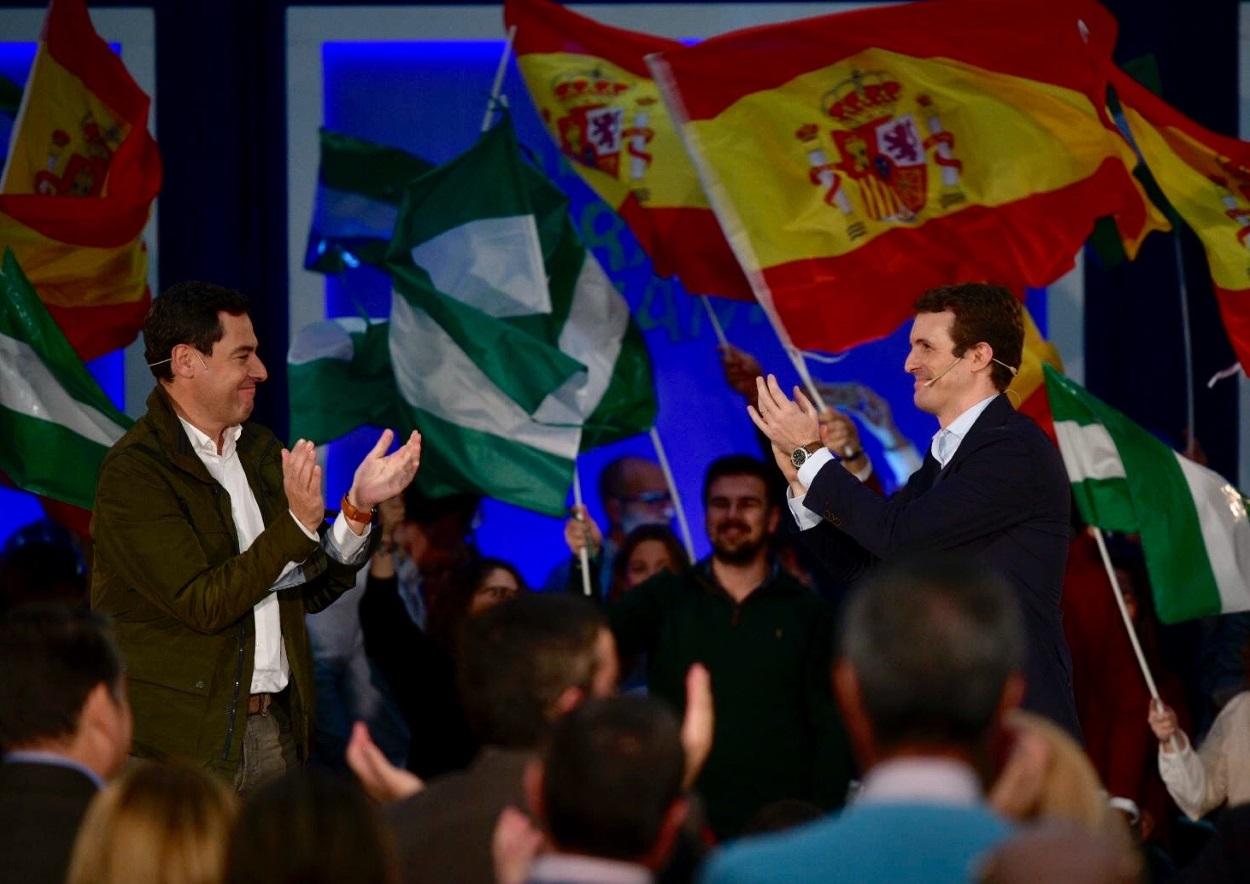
(647, 550)
(310, 827)
(419, 664)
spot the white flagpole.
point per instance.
(497, 86)
(716, 326)
(583, 554)
(1186, 339)
(686, 539)
(1128, 623)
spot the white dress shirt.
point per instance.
(271, 672)
(943, 447)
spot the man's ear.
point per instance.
(774, 519)
(846, 689)
(1012, 696)
(666, 838)
(532, 784)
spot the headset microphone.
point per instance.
(935, 379)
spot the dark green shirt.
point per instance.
(778, 734)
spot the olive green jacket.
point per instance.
(168, 571)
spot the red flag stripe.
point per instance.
(94, 331)
(548, 27)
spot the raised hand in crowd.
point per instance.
(1163, 722)
(514, 845)
(699, 724)
(741, 369)
(839, 435)
(301, 480)
(578, 532)
(381, 780)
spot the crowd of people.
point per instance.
(225, 686)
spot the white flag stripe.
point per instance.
(435, 375)
(1088, 451)
(1225, 532)
(493, 264)
(328, 339)
(30, 388)
(593, 335)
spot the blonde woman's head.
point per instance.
(156, 824)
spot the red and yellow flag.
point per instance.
(1206, 178)
(591, 85)
(1028, 388)
(856, 159)
(79, 183)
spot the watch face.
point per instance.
(798, 457)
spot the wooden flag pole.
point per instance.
(686, 539)
(583, 554)
(497, 86)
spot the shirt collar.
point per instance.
(946, 440)
(911, 779)
(204, 445)
(568, 867)
(33, 756)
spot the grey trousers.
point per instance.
(268, 750)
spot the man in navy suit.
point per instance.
(992, 485)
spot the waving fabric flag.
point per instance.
(1192, 523)
(857, 159)
(56, 424)
(359, 185)
(1206, 178)
(1028, 388)
(507, 347)
(591, 85)
(506, 335)
(78, 185)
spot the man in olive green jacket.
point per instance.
(211, 545)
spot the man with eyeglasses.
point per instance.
(634, 493)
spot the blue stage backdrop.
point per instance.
(429, 98)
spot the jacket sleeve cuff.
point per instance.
(803, 517)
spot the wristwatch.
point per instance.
(799, 456)
(850, 453)
(355, 513)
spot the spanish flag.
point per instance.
(79, 183)
(592, 88)
(1028, 388)
(857, 159)
(1206, 178)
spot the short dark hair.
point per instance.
(517, 659)
(932, 641)
(187, 313)
(51, 658)
(311, 826)
(983, 312)
(741, 465)
(613, 769)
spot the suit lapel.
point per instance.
(995, 414)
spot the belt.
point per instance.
(258, 704)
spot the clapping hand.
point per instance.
(301, 480)
(381, 475)
(788, 424)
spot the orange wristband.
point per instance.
(355, 514)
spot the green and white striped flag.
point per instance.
(1192, 523)
(359, 186)
(512, 350)
(56, 424)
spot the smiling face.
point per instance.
(739, 518)
(219, 390)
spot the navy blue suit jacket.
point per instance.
(1004, 498)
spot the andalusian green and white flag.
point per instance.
(56, 424)
(1191, 521)
(512, 350)
(359, 186)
